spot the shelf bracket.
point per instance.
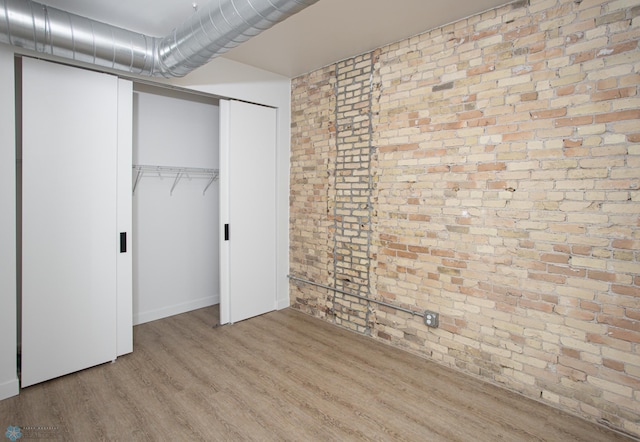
(138, 176)
(178, 176)
(213, 178)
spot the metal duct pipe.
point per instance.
(222, 25)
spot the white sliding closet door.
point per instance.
(70, 238)
(248, 207)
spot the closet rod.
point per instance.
(180, 172)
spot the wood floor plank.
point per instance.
(283, 376)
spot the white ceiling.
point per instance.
(329, 31)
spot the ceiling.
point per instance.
(328, 31)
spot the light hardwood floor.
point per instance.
(281, 376)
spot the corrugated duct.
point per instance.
(210, 32)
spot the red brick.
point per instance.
(565, 90)
(607, 83)
(626, 324)
(418, 249)
(617, 49)
(388, 252)
(581, 250)
(481, 122)
(613, 94)
(443, 253)
(632, 314)
(582, 315)
(496, 185)
(491, 166)
(625, 290)
(536, 305)
(454, 125)
(570, 352)
(626, 244)
(590, 305)
(551, 113)
(614, 365)
(569, 271)
(408, 255)
(625, 335)
(553, 257)
(480, 70)
(584, 56)
(618, 116)
(601, 339)
(526, 244)
(572, 142)
(601, 276)
(413, 122)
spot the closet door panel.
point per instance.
(69, 237)
(248, 188)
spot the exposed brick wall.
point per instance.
(504, 193)
(312, 173)
(352, 260)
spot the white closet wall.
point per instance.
(175, 242)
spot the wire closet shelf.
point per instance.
(177, 173)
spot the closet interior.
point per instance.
(175, 202)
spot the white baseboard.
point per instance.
(283, 303)
(9, 389)
(165, 312)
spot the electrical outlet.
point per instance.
(431, 319)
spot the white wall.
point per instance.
(8, 314)
(175, 236)
(222, 77)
